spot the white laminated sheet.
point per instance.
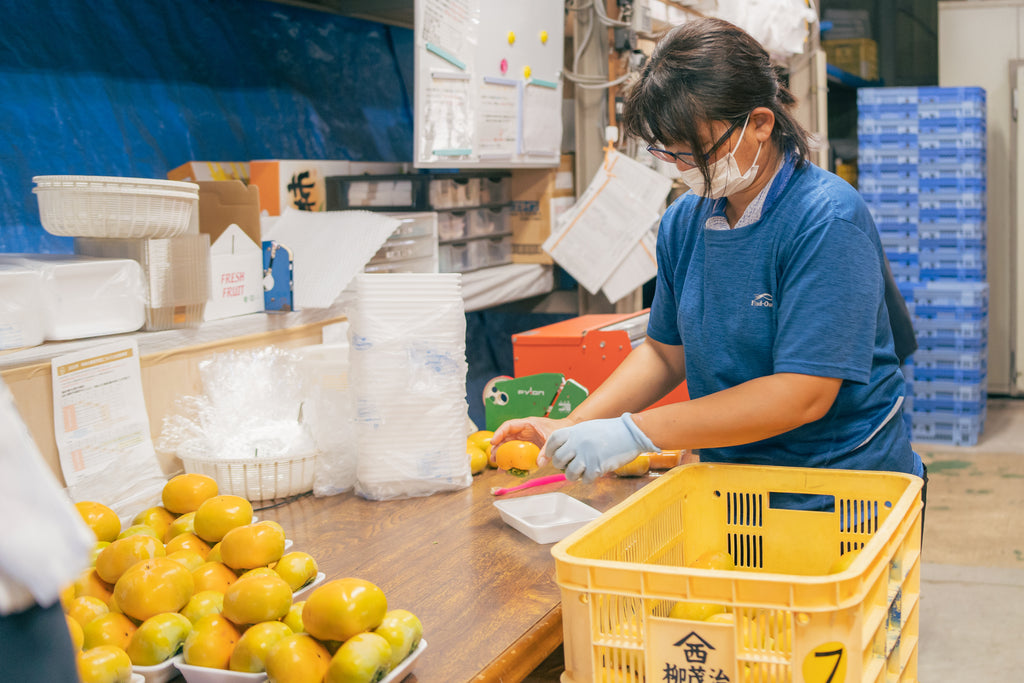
(328, 248)
(597, 237)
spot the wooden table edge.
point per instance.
(525, 654)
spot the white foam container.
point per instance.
(86, 297)
(546, 517)
(21, 301)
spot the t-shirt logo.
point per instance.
(762, 300)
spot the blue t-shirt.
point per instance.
(800, 290)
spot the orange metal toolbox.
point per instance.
(587, 349)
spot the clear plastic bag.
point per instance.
(251, 408)
(408, 366)
(328, 410)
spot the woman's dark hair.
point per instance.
(708, 70)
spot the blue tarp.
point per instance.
(138, 87)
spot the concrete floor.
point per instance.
(972, 575)
(972, 572)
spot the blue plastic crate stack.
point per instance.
(921, 169)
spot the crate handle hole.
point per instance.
(808, 502)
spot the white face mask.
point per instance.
(726, 178)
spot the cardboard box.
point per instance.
(299, 184)
(857, 56)
(229, 212)
(538, 197)
(236, 275)
(196, 171)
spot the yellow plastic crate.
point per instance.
(792, 620)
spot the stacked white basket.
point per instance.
(408, 365)
(111, 206)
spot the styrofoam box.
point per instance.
(21, 300)
(87, 297)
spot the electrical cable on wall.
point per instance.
(597, 14)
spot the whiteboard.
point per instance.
(488, 91)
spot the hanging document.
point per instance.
(497, 118)
(448, 117)
(593, 238)
(542, 119)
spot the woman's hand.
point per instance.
(536, 430)
(595, 447)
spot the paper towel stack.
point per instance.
(408, 371)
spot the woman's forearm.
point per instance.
(752, 411)
(646, 375)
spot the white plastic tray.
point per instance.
(400, 671)
(205, 674)
(546, 517)
(158, 673)
(202, 674)
(320, 576)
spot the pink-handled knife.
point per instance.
(539, 481)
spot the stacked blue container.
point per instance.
(921, 169)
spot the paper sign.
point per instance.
(448, 118)
(102, 429)
(498, 121)
(542, 120)
(690, 651)
(450, 27)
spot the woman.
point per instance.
(770, 288)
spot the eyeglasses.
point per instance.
(687, 158)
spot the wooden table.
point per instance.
(485, 593)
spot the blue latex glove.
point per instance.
(595, 447)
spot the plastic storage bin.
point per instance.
(400, 192)
(454, 192)
(947, 428)
(793, 621)
(453, 225)
(411, 248)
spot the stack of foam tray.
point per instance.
(921, 170)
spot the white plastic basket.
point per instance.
(257, 478)
(102, 206)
